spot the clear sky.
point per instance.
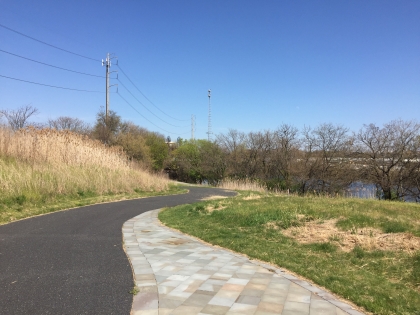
(267, 62)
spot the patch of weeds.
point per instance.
(358, 252)
(137, 190)
(307, 218)
(336, 238)
(10, 202)
(200, 208)
(85, 193)
(43, 199)
(415, 273)
(134, 291)
(377, 254)
(325, 247)
(389, 226)
(359, 220)
(20, 200)
(287, 223)
(197, 210)
(331, 279)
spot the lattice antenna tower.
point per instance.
(192, 126)
(209, 131)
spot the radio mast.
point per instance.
(209, 131)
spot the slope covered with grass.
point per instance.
(372, 257)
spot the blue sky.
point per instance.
(267, 62)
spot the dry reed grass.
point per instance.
(214, 197)
(367, 238)
(59, 147)
(49, 162)
(252, 197)
(241, 185)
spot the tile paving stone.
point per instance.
(296, 307)
(248, 300)
(321, 307)
(270, 307)
(273, 299)
(215, 309)
(238, 308)
(177, 274)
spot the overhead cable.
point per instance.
(142, 115)
(46, 64)
(147, 97)
(53, 86)
(42, 42)
(147, 108)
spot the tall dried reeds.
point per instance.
(242, 185)
(59, 147)
(48, 162)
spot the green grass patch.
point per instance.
(24, 206)
(382, 282)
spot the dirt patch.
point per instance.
(252, 197)
(211, 208)
(214, 197)
(367, 238)
(272, 225)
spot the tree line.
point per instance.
(325, 159)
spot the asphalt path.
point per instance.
(73, 262)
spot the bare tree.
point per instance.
(285, 154)
(233, 145)
(390, 157)
(324, 165)
(69, 123)
(18, 119)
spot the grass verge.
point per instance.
(382, 280)
(21, 207)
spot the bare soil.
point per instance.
(367, 238)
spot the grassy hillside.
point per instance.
(366, 251)
(45, 170)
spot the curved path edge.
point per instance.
(177, 274)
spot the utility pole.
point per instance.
(209, 130)
(107, 64)
(192, 126)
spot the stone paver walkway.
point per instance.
(176, 274)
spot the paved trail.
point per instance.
(72, 262)
(179, 275)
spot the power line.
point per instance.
(57, 87)
(40, 41)
(143, 116)
(147, 108)
(46, 64)
(147, 97)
